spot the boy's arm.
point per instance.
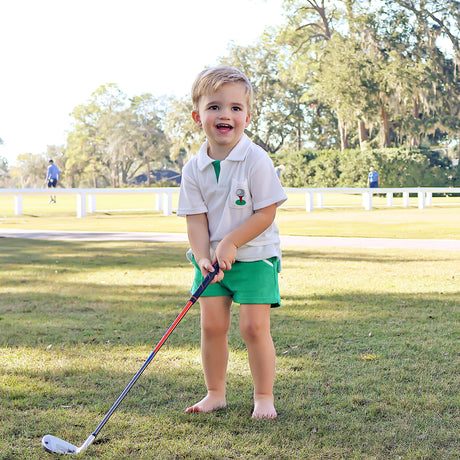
(198, 236)
(250, 229)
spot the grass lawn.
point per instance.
(439, 221)
(366, 343)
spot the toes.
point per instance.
(192, 409)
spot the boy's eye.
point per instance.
(236, 108)
(213, 107)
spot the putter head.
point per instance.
(58, 446)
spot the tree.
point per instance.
(93, 124)
(433, 92)
(184, 136)
(310, 34)
(4, 174)
(440, 17)
(147, 136)
(379, 67)
(278, 113)
(114, 137)
(30, 171)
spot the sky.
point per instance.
(56, 53)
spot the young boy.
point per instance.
(229, 195)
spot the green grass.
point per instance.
(366, 343)
(434, 222)
(396, 222)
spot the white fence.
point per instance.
(86, 198)
(424, 195)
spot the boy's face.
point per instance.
(223, 115)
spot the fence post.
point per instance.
(390, 199)
(81, 205)
(320, 200)
(429, 196)
(92, 204)
(309, 204)
(167, 203)
(421, 199)
(17, 205)
(158, 202)
(405, 199)
(367, 201)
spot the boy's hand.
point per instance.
(206, 267)
(226, 254)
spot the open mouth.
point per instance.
(223, 127)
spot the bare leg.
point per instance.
(215, 323)
(52, 197)
(255, 329)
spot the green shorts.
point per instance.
(246, 282)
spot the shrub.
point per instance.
(398, 167)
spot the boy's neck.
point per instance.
(217, 152)
(217, 156)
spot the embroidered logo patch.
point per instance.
(240, 195)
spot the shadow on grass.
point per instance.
(136, 315)
(389, 256)
(324, 399)
(84, 255)
(346, 361)
(334, 380)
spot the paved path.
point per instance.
(92, 236)
(365, 243)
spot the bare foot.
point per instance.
(209, 403)
(264, 407)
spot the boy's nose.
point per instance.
(225, 113)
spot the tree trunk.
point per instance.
(414, 141)
(299, 136)
(148, 172)
(94, 175)
(343, 136)
(385, 128)
(362, 134)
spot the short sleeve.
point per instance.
(190, 197)
(266, 188)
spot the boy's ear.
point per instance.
(248, 119)
(196, 118)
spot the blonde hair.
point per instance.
(211, 79)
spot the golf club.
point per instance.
(58, 446)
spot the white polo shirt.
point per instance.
(247, 182)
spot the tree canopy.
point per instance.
(347, 75)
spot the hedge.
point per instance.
(397, 167)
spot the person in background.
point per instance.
(373, 178)
(52, 178)
(279, 169)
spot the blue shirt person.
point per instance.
(279, 169)
(373, 178)
(52, 178)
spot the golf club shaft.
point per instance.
(184, 311)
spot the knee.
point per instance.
(252, 330)
(214, 329)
